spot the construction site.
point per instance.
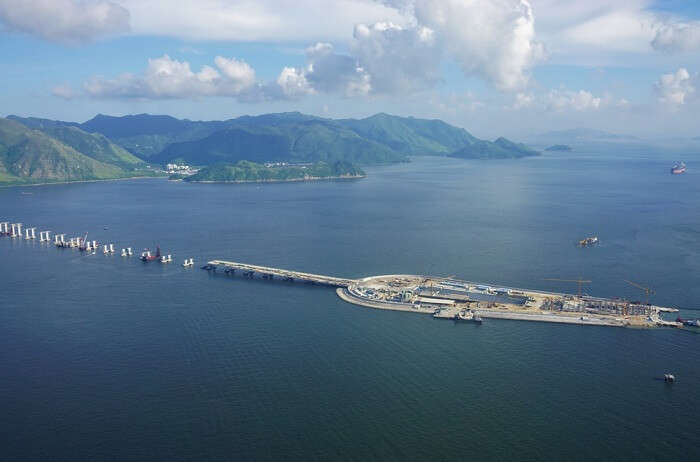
(447, 298)
(443, 298)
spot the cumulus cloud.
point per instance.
(494, 39)
(293, 83)
(676, 89)
(67, 21)
(581, 100)
(328, 71)
(398, 59)
(677, 37)
(165, 77)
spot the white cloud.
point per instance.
(255, 20)
(331, 72)
(293, 83)
(616, 30)
(674, 37)
(64, 91)
(67, 21)
(676, 89)
(165, 77)
(523, 100)
(560, 100)
(239, 73)
(398, 59)
(494, 39)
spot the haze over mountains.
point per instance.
(36, 150)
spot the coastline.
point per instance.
(290, 180)
(80, 181)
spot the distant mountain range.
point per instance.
(121, 146)
(582, 135)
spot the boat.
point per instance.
(188, 262)
(588, 241)
(84, 244)
(669, 378)
(468, 316)
(146, 255)
(689, 322)
(678, 168)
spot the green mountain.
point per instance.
(286, 137)
(245, 171)
(502, 148)
(411, 136)
(147, 135)
(34, 156)
(289, 137)
(297, 137)
(94, 145)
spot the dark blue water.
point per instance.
(105, 358)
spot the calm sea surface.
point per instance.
(107, 358)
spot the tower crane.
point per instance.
(579, 281)
(647, 290)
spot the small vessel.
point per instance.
(588, 241)
(188, 262)
(669, 378)
(689, 322)
(84, 245)
(678, 168)
(146, 255)
(166, 258)
(124, 254)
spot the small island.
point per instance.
(559, 147)
(250, 172)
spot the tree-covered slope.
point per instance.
(32, 156)
(410, 135)
(281, 139)
(289, 136)
(147, 135)
(499, 149)
(94, 145)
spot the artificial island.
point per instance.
(447, 298)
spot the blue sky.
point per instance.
(495, 67)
